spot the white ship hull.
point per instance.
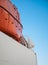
(13, 53)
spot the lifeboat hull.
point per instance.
(10, 20)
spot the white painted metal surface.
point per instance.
(13, 53)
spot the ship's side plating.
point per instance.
(13, 53)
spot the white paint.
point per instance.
(13, 53)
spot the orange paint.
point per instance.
(10, 20)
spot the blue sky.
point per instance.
(34, 18)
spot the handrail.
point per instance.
(11, 15)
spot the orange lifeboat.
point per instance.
(10, 21)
